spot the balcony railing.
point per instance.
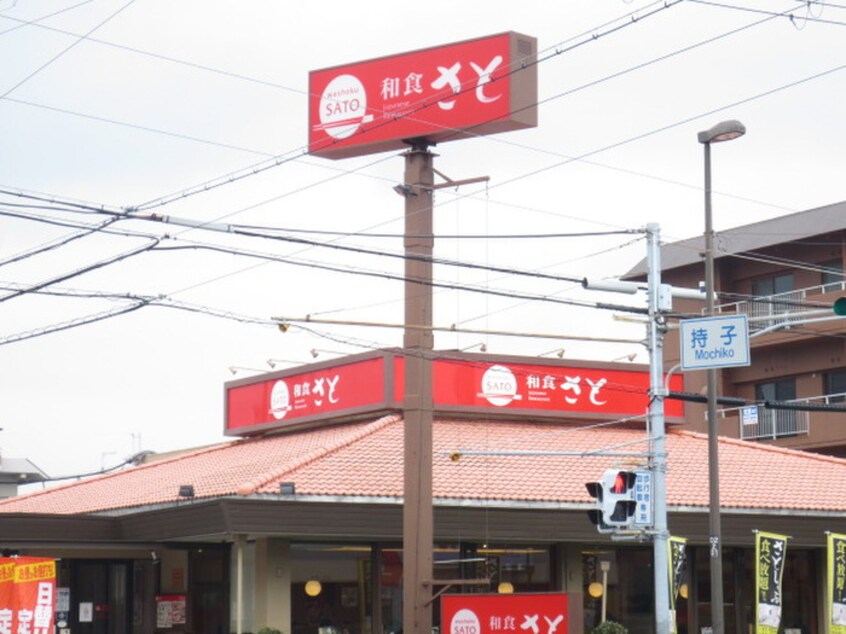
(771, 423)
(756, 422)
(768, 310)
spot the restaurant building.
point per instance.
(297, 525)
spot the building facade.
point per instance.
(299, 528)
(785, 274)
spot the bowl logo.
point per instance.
(343, 107)
(465, 622)
(280, 400)
(499, 386)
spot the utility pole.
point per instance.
(658, 297)
(418, 340)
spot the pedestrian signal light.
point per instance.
(615, 500)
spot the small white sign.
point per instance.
(714, 342)
(749, 415)
(63, 599)
(86, 612)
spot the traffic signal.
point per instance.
(839, 306)
(615, 500)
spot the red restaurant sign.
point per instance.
(463, 384)
(469, 88)
(506, 614)
(27, 594)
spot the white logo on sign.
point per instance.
(499, 386)
(465, 622)
(280, 400)
(343, 107)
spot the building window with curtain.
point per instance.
(775, 423)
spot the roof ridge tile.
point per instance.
(83, 481)
(253, 485)
(761, 447)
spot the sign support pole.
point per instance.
(657, 392)
(418, 340)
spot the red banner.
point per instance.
(505, 613)
(292, 397)
(503, 387)
(27, 594)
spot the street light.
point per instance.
(723, 131)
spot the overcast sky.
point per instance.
(117, 104)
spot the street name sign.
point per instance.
(714, 342)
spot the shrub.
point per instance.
(269, 630)
(610, 627)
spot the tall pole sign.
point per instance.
(460, 90)
(418, 99)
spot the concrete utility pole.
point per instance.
(657, 392)
(417, 527)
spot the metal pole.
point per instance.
(714, 529)
(417, 401)
(656, 416)
(605, 566)
(240, 541)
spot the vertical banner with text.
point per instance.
(677, 561)
(836, 599)
(770, 551)
(27, 594)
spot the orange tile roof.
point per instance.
(365, 460)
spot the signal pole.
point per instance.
(658, 297)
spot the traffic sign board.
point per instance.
(643, 496)
(714, 342)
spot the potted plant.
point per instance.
(610, 627)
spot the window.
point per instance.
(781, 390)
(775, 423)
(765, 287)
(835, 383)
(772, 285)
(832, 276)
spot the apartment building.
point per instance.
(785, 274)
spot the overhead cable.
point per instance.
(63, 51)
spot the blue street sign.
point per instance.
(643, 496)
(714, 342)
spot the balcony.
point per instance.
(763, 423)
(766, 312)
(757, 422)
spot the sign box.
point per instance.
(463, 384)
(510, 613)
(465, 89)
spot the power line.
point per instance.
(23, 23)
(440, 236)
(807, 18)
(401, 278)
(72, 323)
(137, 126)
(86, 269)
(57, 243)
(63, 51)
(152, 54)
(232, 230)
